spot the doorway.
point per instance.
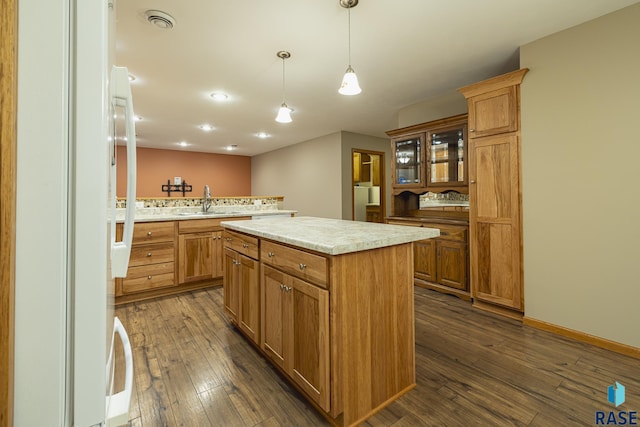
(367, 186)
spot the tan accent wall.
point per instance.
(226, 175)
(8, 114)
(580, 157)
(308, 175)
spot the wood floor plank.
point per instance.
(473, 368)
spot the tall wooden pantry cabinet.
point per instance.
(495, 193)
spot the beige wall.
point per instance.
(355, 140)
(307, 174)
(580, 156)
(449, 103)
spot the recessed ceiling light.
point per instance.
(183, 144)
(262, 135)
(131, 77)
(137, 118)
(219, 96)
(206, 127)
(231, 147)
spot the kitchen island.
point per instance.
(330, 303)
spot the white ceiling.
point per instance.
(403, 52)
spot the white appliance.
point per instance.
(360, 201)
(95, 328)
(64, 321)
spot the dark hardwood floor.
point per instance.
(192, 368)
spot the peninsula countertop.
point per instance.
(331, 236)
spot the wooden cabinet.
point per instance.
(374, 213)
(151, 265)
(339, 327)
(430, 156)
(441, 263)
(199, 250)
(242, 290)
(495, 218)
(296, 331)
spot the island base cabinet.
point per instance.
(242, 293)
(296, 331)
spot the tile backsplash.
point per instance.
(184, 202)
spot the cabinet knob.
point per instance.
(148, 254)
(473, 181)
(472, 130)
(219, 237)
(149, 277)
(287, 288)
(228, 239)
(270, 254)
(149, 234)
(302, 266)
(281, 286)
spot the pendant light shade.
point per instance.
(284, 113)
(350, 85)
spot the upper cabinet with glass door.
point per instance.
(430, 156)
(408, 156)
(447, 157)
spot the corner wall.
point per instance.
(307, 174)
(580, 154)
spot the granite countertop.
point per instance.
(331, 236)
(159, 214)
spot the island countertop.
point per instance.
(331, 236)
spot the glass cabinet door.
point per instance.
(408, 160)
(447, 156)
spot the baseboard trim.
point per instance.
(617, 347)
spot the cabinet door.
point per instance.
(218, 254)
(195, 254)
(408, 160)
(249, 310)
(230, 284)
(273, 316)
(424, 259)
(494, 221)
(309, 330)
(493, 112)
(452, 264)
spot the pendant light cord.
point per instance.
(283, 93)
(349, 15)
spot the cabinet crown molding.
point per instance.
(505, 80)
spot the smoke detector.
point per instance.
(160, 19)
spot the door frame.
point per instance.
(8, 146)
(383, 190)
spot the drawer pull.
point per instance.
(149, 234)
(149, 277)
(302, 266)
(244, 245)
(236, 262)
(270, 254)
(287, 288)
(148, 254)
(228, 239)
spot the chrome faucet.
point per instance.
(206, 199)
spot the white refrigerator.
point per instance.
(66, 256)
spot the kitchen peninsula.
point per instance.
(330, 303)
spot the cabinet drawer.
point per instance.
(151, 254)
(305, 265)
(146, 277)
(241, 243)
(450, 232)
(153, 232)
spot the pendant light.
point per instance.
(349, 84)
(284, 113)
